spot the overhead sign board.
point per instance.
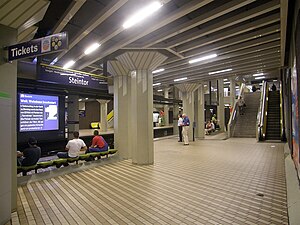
(40, 46)
(58, 75)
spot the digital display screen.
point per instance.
(38, 112)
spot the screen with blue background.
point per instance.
(38, 112)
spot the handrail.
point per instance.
(234, 114)
(261, 117)
(282, 127)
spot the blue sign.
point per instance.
(58, 75)
(41, 46)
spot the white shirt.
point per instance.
(74, 147)
(180, 120)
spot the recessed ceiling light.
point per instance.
(227, 82)
(159, 90)
(220, 71)
(180, 79)
(69, 64)
(258, 74)
(86, 98)
(203, 58)
(274, 80)
(92, 48)
(225, 79)
(258, 78)
(158, 71)
(80, 99)
(156, 84)
(142, 14)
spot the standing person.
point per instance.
(241, 105)
(31, 155)
(73, 147)
(273, 88)
(185, 129)
(98, 143)
(180, 123)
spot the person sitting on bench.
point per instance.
(98, 143)
(73, 147)
(31, 155)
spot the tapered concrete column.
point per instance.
(73, 115)
(122, 105)
(141, 65)
(187, 91)
(175, 110)
(221, 112)
(103, 114)
(166, 107)
(199, 112)
(8, 134)
(232, 92)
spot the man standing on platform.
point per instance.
(185, 129)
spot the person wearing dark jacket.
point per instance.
(31, 155)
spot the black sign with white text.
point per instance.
(41, 46)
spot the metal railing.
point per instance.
(234, 114)
(282, 126)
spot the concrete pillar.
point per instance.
(122, 109)
(199, 112)
(73, 115)
(8, 134)
(187, 91)
(140, 64)
(103, 114)
(175, 110)
(221, 110)
(166, 107)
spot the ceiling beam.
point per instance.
(165, 20)
(104, 14)
(210, 15)
(223, 24)
(68, 15)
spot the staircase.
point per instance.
(246, 124)
(273, 131)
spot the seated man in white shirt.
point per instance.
(73, 147)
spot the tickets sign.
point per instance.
(40, 46)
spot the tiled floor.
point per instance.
(207, 182)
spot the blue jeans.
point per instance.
(105, 148)
(63, 155)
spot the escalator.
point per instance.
(273, 129)
(270, 115)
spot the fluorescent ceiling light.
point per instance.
(258, 74)
(159, 90)
(225, 79)
(69, 64)
(220, 71)
(54, 61)
(86, 98)
(80, 100)
(203, 58)
(258, 78)
(180, 79)
(92, 48)
(156, 84)
(142, 14)
(158, 71)
(274, 80)
(227, 82)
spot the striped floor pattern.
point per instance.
(237, 181)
